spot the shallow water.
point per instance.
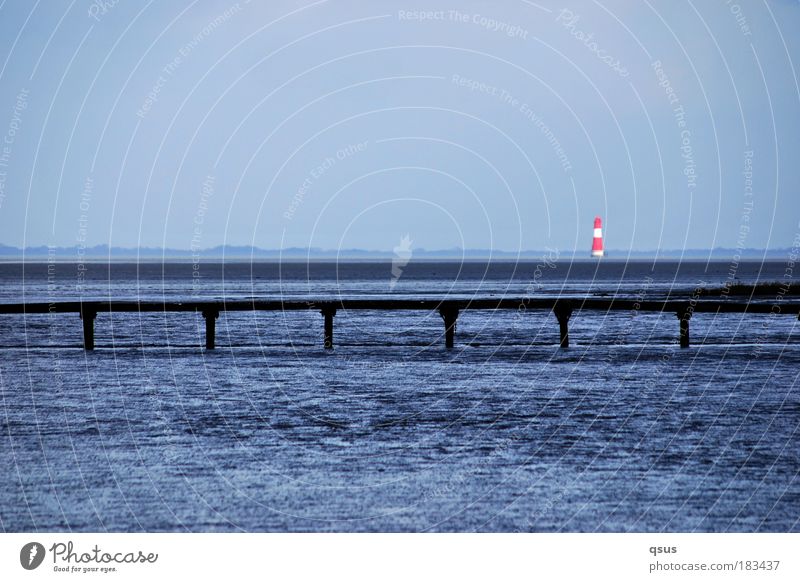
(391, 432)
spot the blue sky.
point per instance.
(477, 124)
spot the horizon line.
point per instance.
(391, 252)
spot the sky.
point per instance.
(353, 124)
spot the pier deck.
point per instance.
(449, 309)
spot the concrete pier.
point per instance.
(449, 314)
(563, 311)
(449, 309)
(684, 314)
(210, 315)
(88, 316)
(329, 313)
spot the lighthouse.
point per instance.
(597, 242)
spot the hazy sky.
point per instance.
(340, 124)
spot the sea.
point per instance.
(623, 431)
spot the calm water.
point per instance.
(390, 432)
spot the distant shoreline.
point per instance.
(104, 252)
(294, 255)
(378, 260)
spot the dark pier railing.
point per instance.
(449, 310)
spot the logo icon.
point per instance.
(31, 555)
(401, 258)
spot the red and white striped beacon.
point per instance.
(597, 242)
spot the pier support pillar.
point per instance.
(449, 315)
(563, 311)
(88, 315)
(684, 315)
(328, 313)
(211, 315)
